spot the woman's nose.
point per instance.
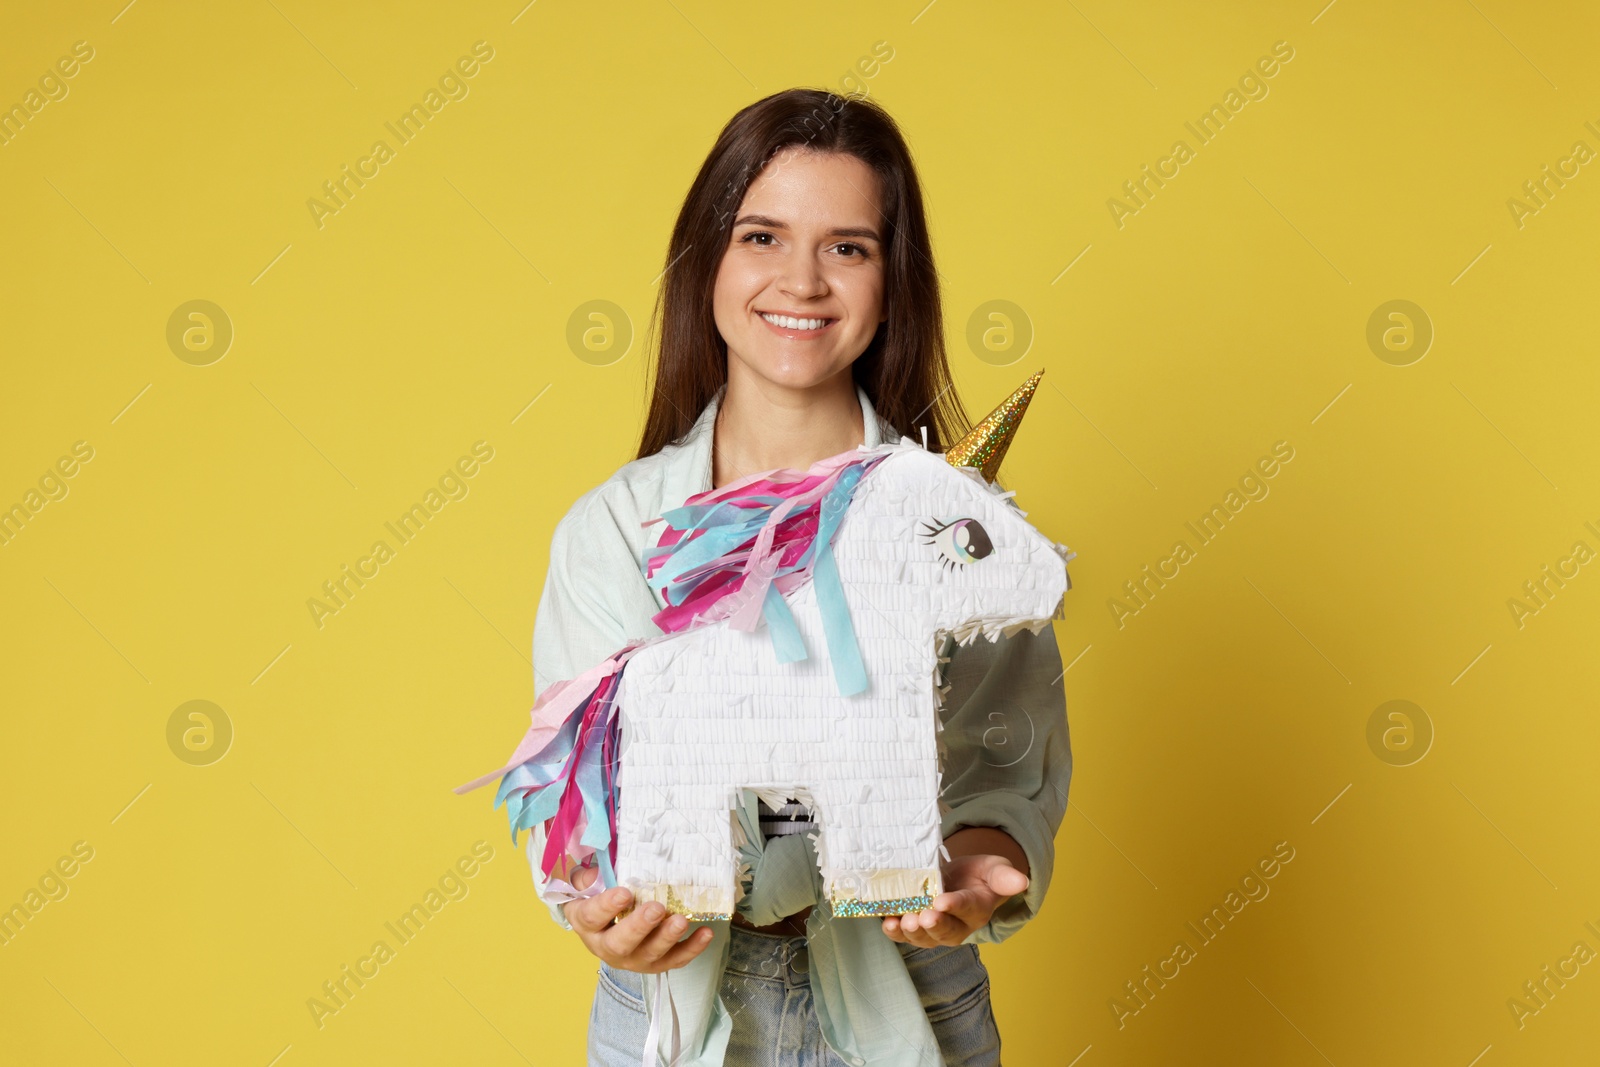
(803, 277)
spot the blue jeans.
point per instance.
(768, 991)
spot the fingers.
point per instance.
(1006, 880)
(641, 942)
(593, 914)
(624, 938)
(685, 950)
(661, 940)
(967, 903)
(580, 882)
(647, 940)
(956, 913)
(943, 927)
(928, 928)
(916, 934)
(985, 882)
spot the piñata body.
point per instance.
(804, 617)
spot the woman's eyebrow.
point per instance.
(775, 224)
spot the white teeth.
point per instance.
(795, 324)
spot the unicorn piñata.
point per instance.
(636, 764)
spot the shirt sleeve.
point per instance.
(577, 626)
(1008, 757)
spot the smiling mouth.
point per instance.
(796, 326)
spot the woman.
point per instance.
(800, 318)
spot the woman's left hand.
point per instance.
(975, 886)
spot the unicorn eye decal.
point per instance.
(959, 541)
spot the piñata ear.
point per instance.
(985, 444)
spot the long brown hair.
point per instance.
(903, 370)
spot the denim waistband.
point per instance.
(771, 957)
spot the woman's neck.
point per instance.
(762, 427)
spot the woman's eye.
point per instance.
(860, 250)
(959, 541)
(757, 233)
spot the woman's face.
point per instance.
(806, 245)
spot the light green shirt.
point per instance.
(1008, 760)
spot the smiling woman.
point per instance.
(798, 297)
(807, 208)
(799, 320)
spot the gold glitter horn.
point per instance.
(985, 444)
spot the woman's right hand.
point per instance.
(642, 942)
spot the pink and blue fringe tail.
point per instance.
(570, 785)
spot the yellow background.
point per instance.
(369, 354)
